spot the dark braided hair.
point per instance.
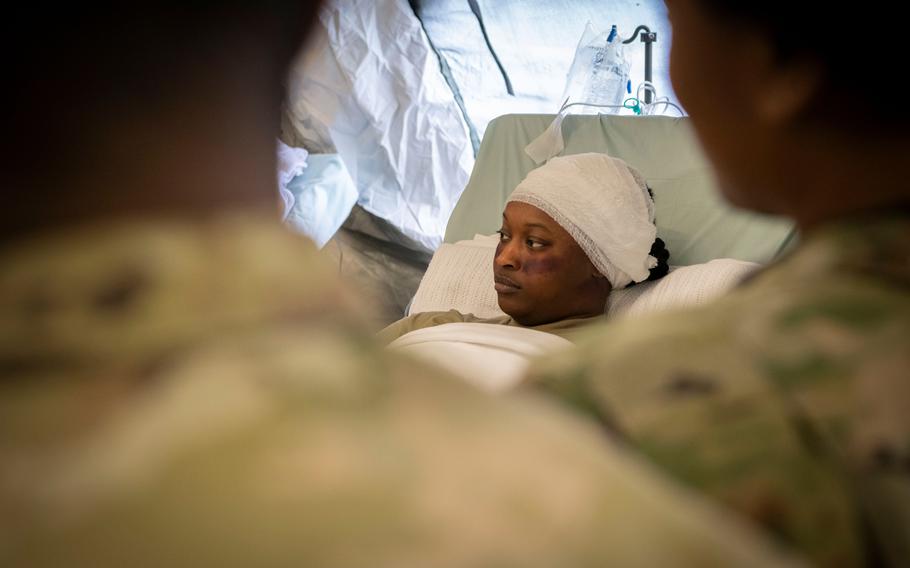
(660, 252)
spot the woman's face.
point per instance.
(541, 275)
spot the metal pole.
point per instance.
(647, 37)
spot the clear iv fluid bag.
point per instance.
(599, 72)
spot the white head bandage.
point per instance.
(604, 204)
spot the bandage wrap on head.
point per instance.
(604, 204)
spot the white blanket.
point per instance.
(492, 357)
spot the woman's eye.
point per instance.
(534, 244)
(503, 237)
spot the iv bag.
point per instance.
(599, 73)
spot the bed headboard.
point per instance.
(692, 218)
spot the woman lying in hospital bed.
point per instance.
(574, 230)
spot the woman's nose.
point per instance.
(506, 256)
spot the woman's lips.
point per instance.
(505, 285)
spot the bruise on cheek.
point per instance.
(544, 265)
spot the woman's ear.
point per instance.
(788, 93)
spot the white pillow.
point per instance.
(684, 286)
(460, 277)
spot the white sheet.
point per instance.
(291, 163)
(323, 197)
(492, 357)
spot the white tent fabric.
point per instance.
(369, 87)
(535, 41)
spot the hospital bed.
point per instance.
(712, 244)
(692, 218)
(697, 225)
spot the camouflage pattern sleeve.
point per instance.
(334, 455)
(179, 395)
(787, 400)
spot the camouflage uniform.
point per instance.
(205, 395)
(788, 399)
